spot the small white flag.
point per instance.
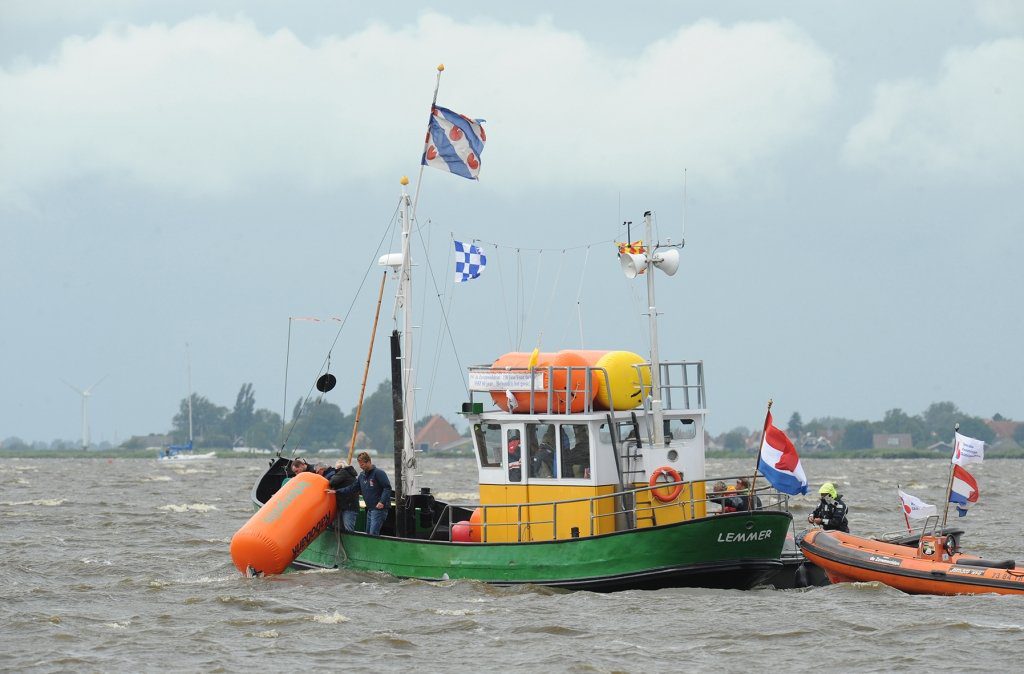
(967, 450)
(915, 508)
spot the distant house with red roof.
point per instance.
(1004, 429)
(435, 434)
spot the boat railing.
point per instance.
(493, 516)
(682, 386)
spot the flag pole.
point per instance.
(419, 178)
(757, 462)
(903, 509)
(949, 484)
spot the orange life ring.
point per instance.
(676, 477)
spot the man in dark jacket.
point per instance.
(374, 485)
(348, 504)
(831, 512)
(299, 465)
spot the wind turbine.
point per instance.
(85, 409)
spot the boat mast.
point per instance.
(188, 369)
(652, 316)
(408, 389)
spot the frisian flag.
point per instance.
(779, 462)
(454, 143)
(963, 490)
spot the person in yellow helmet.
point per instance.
(831, 511)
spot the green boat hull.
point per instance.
(732, 550)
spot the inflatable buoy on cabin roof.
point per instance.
(560, 387)
(628, 384)
(279, 531)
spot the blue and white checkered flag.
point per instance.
(469, 261)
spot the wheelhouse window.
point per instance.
(515, 455)
(680, 429)
(626, 433)
(540, 445)
(488, 444)
(575, 450)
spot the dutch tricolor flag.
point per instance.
(779, 461)
(963, 490)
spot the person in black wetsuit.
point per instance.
(831, 511)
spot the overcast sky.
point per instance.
(201, 171)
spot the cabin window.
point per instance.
(515, 455)
(575, 450)
(540, 444)
(680, 429)
(626, 434)
(488, 444)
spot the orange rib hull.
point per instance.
(848, 558)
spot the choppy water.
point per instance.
(123, 565)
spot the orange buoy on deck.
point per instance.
(281, 530)
(566, 387)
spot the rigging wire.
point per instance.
(551, 299)
(447, 325)
(344, 321)
(504, 300)
(579, 302)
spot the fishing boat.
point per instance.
(935, 566)
(591, 470)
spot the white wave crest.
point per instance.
(458, 496)
(188, 507)
(332, 619)
(269, 634)
(49, 502)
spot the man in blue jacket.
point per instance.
(374, 485)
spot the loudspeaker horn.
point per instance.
(668, 261)
(632, 264)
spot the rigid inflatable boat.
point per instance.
(935, 566)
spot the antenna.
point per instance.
(683, 233)
(634, 264)
(85, 408)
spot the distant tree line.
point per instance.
(933, 425)
(315, 423)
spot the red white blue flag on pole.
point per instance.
(454, 143)
(963, 490)
(779, 462)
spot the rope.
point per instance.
(551, 299)
(337, 336)
(579, 302)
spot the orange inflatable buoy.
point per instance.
(460, 532)
(565, 388)
(476, 526)
(281, 530)
(676, 477)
